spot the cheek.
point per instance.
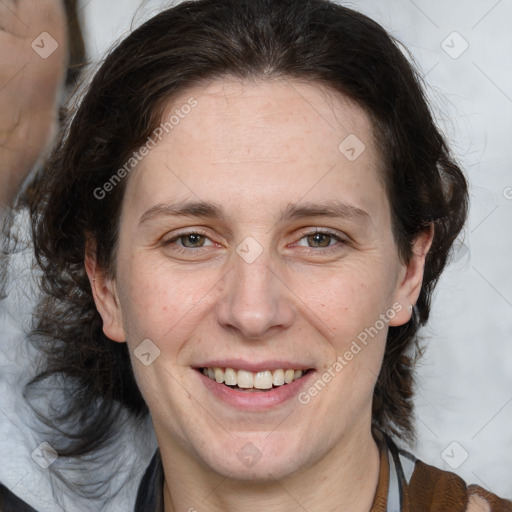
(348, 308)
(353, 312)
(347, 300)
(160, 303)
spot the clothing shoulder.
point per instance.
(9, 502)
(434, 490)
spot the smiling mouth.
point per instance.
(243, 380)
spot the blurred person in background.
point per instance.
(33, 84)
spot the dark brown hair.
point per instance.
(310, 40)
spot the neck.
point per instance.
(345, 479)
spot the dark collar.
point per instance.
(150, 497)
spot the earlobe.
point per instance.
(411, 277)
(104, 294)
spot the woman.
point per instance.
(240, 233)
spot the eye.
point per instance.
(191, 240)
(185, 242)
(320, 240)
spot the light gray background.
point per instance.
(465, 378)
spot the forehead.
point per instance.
(266, 139)
(238, 112)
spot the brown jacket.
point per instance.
(424, 488)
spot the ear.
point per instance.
(411, 277)
(105, 294)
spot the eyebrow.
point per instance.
(205, 209)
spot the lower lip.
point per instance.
(255, 400)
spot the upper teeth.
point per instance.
(259, 380)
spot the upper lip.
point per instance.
(254, 367)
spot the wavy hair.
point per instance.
(317, 41)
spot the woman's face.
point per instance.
(257, 236)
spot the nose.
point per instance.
(255, 302)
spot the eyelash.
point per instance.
(182, 249)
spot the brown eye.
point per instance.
(319, 239)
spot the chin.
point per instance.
(262, 472)
(249, 458)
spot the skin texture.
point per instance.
(254, 148)
(29, 86)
